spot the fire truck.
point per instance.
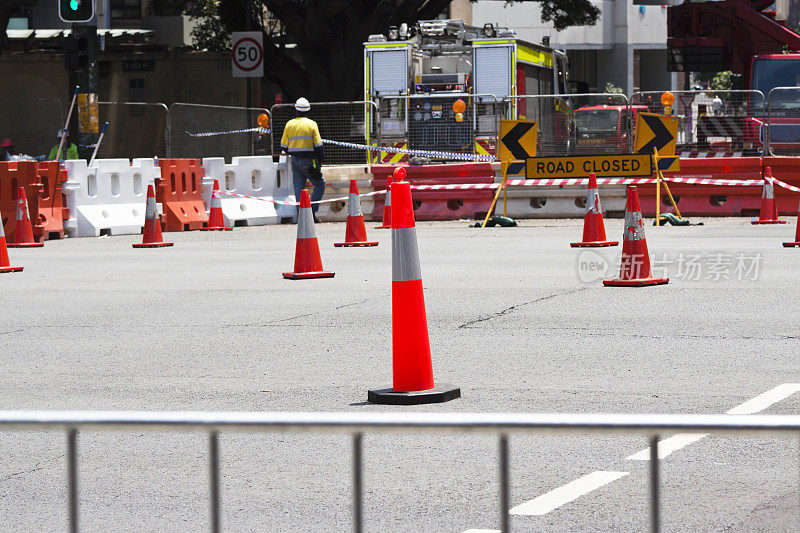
(745, 37)
(415, 74)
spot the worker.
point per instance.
(7, 150)
(302, 141)
(68, 151)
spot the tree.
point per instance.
(314, 48)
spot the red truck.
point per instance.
(747, 38)
(603, 129)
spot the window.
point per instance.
(126, 9)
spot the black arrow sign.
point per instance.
(661, 135)
(511, 140)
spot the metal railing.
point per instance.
(429, 122)
(190, 125)
(339, 121)
(136, 129)
(31, 123)
(781, 135)
(712, 121)
(564, 132)
(356, 424)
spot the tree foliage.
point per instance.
(314, 48)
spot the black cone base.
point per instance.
(441, 393)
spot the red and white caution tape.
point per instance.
(547, 183)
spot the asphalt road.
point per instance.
(518, 319)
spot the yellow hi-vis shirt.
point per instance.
(301, 137)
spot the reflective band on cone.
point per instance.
(594, 230)
(23, 234)
(635, 265)
(5, 264)
(769, 207)
(355, 234)
(387, 207)
(412, 370)
(796, 242)
(307, 261)
(216, 221)
(151, 236)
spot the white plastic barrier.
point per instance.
(257, 177)
(109, 197)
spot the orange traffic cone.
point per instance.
(594, 231)
(635, 265)
(216, 222)
(23, 234)
(796, 242)
(399, 174)
(152, 226)
(307, 261)
(5, 264)
(769, 207)
(412, 370)
(355, 234)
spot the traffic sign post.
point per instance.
(247, 49)
(517, 143)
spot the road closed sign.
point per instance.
(248, 54)
(580, 167)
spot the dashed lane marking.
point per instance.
(752, 406)
(562, 495)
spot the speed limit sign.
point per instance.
(248, 54)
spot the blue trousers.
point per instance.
(302, 170)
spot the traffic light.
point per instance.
(76, 10)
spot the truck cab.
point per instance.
(603, 129)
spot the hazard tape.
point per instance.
(546, 183)
(262, 131)
(423, 153)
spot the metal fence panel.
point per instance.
(712, 122)
(429, 122)
(576, 124)
(782, 132)
(134, 130)
(31, 123)
(338, 121)
(191, 124)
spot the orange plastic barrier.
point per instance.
(13, 175)
(710, 200)
(49, 215)
(178, 191)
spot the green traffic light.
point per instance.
(73, 5)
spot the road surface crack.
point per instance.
(507, 310)
(38, 466)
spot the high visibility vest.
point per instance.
(67, 152)
(301, 137)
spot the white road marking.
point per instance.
(668, 445)
(762, 401)
(755, 405)
(562, 495)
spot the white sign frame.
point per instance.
(247, 54)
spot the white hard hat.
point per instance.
(302, 104)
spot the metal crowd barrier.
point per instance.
(200, 130)
(340, 121)
(356, 424)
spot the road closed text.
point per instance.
(581, 167)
